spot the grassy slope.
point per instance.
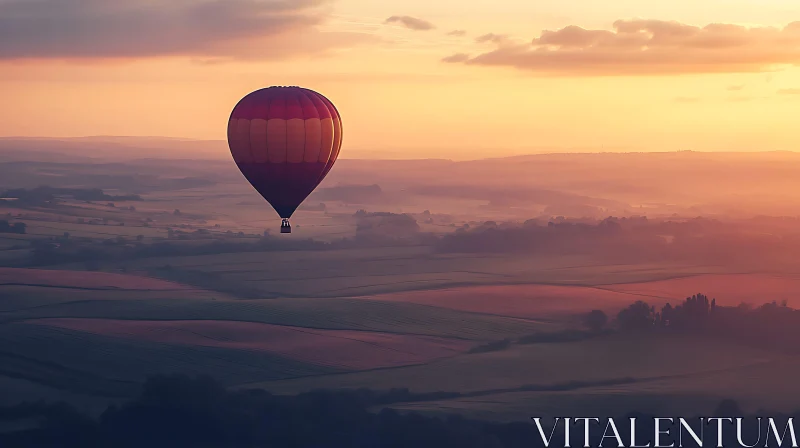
(97, 365)
(358, 272)
(345, 349)
(770, 385)
(335, 314)
(612, 358)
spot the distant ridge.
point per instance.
(110, 148)
(107, 147)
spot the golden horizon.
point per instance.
(445, 80)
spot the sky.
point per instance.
(455, 79)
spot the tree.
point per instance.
(595, 320)
(638, 316)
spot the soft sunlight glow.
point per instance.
(397, 96)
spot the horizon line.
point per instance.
(391, 154)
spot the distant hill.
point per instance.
(84, 149)
(353, 194)
(685, 183)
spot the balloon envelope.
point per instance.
(285, 140)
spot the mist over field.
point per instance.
(481, 288)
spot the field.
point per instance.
(345, 349)
(89, 326)
(378, 271)
(550, 380)
(729, 290)
(550, 365)
(380, 318)
(90, 364)
(84, 280)
(693, 394)
(537, 300)
(30, 289)
(90, 336)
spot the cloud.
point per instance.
(81, 29)
(735, 88)
(789, 92)
(458, 57)
(411, 23)
(493, 38)
(457, 33)
(649, 47)
(686, 99)
(740, 99)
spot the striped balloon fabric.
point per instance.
(285, 140)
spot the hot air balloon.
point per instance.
(285, 140)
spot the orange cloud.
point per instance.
(87, 29)
(458, 57)
(640, 47)
(493, 38)
(789, 92)
(411, 23)
(458, 33)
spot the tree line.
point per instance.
(44, 194)
(772, 325)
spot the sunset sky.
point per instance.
(415, 78)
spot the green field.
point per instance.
(671, 377)
(360, 272)
(334, 314)
(15, 300)
(549, 365)
(94, 365)
(770, 385)
(521, 406)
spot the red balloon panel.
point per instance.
(285, 140)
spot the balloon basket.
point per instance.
(285, 226)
